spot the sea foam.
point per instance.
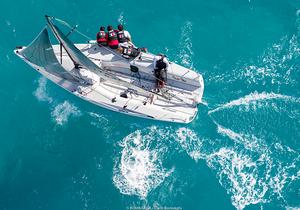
(140, 169)
(250, 142)
(190, 142)
(274, 67)
(186, 53)
(249, 170)
(240, 176)
(256, 173)
(107, 126)
(60, 112)
(41, 91)
(253, 98)
(63, 111)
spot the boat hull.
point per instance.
(108, 95)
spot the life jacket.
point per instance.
(160, 64)
(131, 52)
(127, 51)
(112, 38)
(121, 36)
(101, 37)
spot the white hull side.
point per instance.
(107, 95)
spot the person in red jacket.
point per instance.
(112, 38)
(102, 37)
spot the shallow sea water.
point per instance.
(241, 152)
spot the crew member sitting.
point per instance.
(112, 38)
(161, 65)
(123, 36)
(102, 37)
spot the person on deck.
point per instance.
(112, 38)
(123, 35)
(102, 37)
(161, 66)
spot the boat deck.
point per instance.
(175, 103)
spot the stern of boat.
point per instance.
(200, 90)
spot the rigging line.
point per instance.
(103, 61)
(82, 34)
(168, 88)
(71, 31)
(74, 28)
(57, 36)
(87, 37)
(71, 27)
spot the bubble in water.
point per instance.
(186, 46)
(63, 111)
(41, 91)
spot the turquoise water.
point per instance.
(242, 150)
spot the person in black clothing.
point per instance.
(123, 35)
(161, 65)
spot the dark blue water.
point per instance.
(242, 150)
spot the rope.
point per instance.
(71, 27)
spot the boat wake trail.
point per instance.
(186, 54)
(253, 171)
(141, 165)
(253, 165)
(239, 175)
(250, 142)
(277, 66)
(254, 98)
(190, 142)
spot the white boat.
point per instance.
(102, 76)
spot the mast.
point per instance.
(54, 29)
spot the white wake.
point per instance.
(252, 98)
(140, 169)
